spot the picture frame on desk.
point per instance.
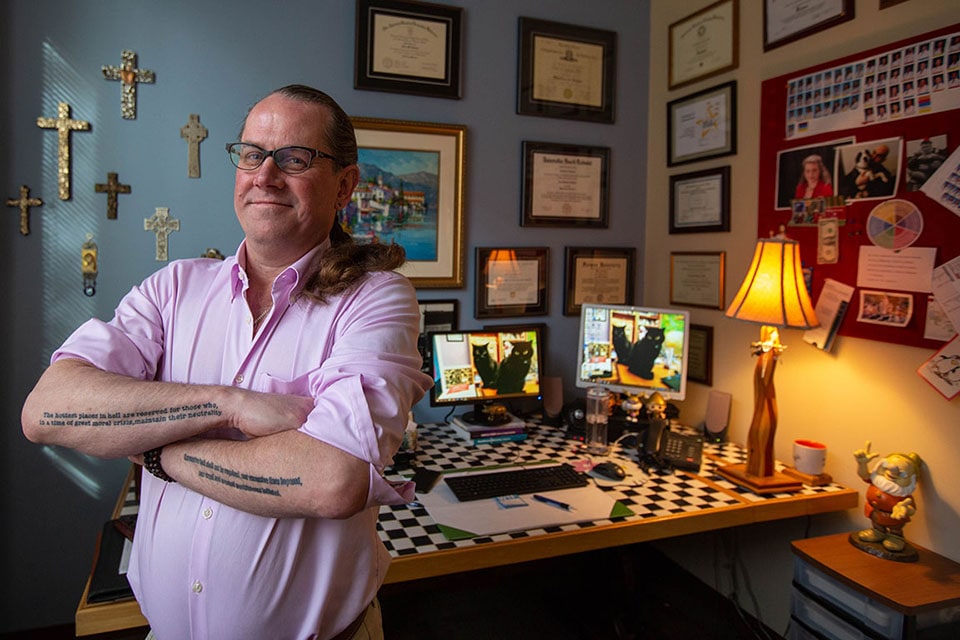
(704, 44)
(511, 282)
(702, 125)
(406, 46)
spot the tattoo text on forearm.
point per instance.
(240, 481)
(129, 419)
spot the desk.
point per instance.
(663, 507)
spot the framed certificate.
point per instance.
(405, 46)
(700, 354)
(700, 201)
(600, 275)
(566, 71)
(702, 125)
(704, 44)
(564, 185)
(788, 20)
(696, 278)
(511, 282)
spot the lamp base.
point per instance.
(761, 485)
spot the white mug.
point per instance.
(809, 456)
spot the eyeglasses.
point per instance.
(290, 160)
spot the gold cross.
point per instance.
(161, 224)
(128, 74)
(25, 202)
(193, 132)
(111, 188)
(64, 125)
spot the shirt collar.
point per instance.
(293, 278)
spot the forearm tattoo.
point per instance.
(267, 485)
(129, 419)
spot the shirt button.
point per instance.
(197, 587)
(238, 379)
(207, 513)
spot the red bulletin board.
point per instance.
(784, 129)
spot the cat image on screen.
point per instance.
(515, 367)
(644, 353)
(620, 343)
(485, 365)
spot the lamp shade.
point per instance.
(773, 291)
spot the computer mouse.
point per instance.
(610, 470)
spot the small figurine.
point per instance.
(631, 405)
(889, 503)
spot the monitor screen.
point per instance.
(634, 349)
(485, 365)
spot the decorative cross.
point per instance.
(25, 202)
(193, 132)
(161, 224)
(111, 188)
(64, 125)
(128, 74)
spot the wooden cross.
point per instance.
(25, 202)
(111, 188)
(161, 224)
(128, 75)
(193, 132)
(64, 125)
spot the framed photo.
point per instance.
(700, 201)
(601, 275)
(696, 278)
(705, 43)
(566, 71)
(565, 185)
(785, 22)
(702, 125)
(700, 354)
(511, 282)
(410, 192)
(435, 315)
(405, 46)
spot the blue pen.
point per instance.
(552, 502)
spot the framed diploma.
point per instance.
(700, 354)
(435, 315)
(700, 201)
(600, 275)
(702, 125)
(511, 282)
(566, 71)
(423, 211)
(704, 44)
(788, 20)
(564, 185)
(696, 278)
(408, 47)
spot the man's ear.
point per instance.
(349, 179)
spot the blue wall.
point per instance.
(216, 59)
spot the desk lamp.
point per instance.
(773, 294)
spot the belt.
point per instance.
(353, 627)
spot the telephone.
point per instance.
(665, 450)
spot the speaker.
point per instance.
(551, 388)
(718, 416)
(575, 417)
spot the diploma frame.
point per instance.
(779, 30)
(696, 278)
(393, 140)
(533, 191)
(601, 109)
(577, 291)
(715, 214)
(700, 354)
(518, 298)
(690, 58)
(711, 114)
(427, 71)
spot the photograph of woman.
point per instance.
(815, 180)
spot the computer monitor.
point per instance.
(484, 367)
(634, 350)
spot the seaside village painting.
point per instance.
(396, 201)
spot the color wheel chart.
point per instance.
(894, 224)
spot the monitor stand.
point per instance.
(489, 415)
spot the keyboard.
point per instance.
(478, 486)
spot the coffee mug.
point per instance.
(809, 456)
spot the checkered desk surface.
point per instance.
(409, 529)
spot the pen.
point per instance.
(552, 502)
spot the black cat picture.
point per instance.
(644, 353)
(485, 365)
(515, 367)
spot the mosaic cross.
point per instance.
(128, 75)
(162, 225)
(25, 202)
(193, 132)
(64, 125)
(112, 187)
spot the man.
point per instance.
(268, 392)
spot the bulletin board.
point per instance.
(904, 97)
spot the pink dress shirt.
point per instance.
(204, 570)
